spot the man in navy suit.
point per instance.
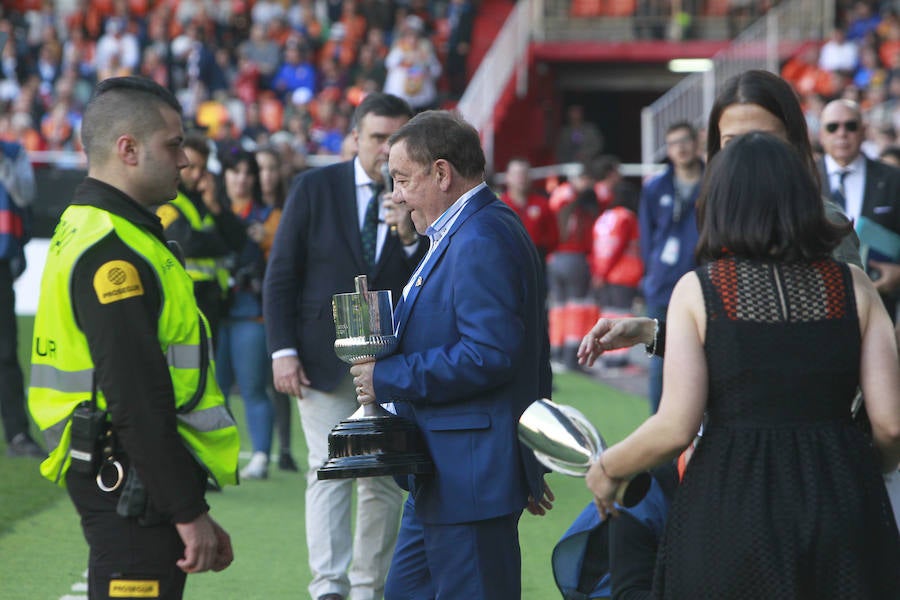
(330, 233)
(472, 355)
(862, 186)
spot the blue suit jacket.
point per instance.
(472, 355)
(316, 253)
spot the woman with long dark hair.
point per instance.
(241, 353)
(273, 190)
(770, 338)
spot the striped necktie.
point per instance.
(839, 194)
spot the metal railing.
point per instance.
(761, 46)
(508, 56)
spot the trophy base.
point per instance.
(372, 446)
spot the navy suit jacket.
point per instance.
(316, 253)
(881, 200)
(881, 193)
(472, 355)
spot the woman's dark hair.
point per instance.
(234, 156)
(281, 187)
(760, 201)
(773, 94)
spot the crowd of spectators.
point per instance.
(248, 72)
(254, 72)
(860, 61)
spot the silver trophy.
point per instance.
(372, 441)
(563, 440)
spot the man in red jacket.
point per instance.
(533, 209)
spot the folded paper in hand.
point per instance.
(875, 238)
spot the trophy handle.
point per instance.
(631, 491)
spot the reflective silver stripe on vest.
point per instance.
(45, 376)
(183, 356)
(53, 434)
(208, 419)
(191, 265)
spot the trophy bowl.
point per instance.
(564, 441)
(372, 441)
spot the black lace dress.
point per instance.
(783, 497)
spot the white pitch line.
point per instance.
(78, 586)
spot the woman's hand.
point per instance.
(610, 334)
(604, 489)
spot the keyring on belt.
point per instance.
(120, 476)
(110, 460)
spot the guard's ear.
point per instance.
(127, 149)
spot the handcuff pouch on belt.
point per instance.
(135, 503)
(92, 444)
(88, 425)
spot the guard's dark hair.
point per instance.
(381, 105)
(760, 201)
(439, 134)
(773, 94)
(121, 105)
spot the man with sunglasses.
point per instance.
(862, 186)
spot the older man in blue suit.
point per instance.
(473, 354)
(334, 228)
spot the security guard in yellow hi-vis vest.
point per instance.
(207, 234)
(122, 383)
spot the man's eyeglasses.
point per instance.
(850, 126)
(681, 141)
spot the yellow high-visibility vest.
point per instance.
(62, 371)
(200, 269)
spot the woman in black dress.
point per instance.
(754, 100)
(770, 338)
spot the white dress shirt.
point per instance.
(854, 183)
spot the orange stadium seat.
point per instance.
(716, 8)
(586, 8)
(602, 8)
(620, 8)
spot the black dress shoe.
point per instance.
(331, 597)
(286, 462)
(23, 446)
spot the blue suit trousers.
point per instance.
(480, 560)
